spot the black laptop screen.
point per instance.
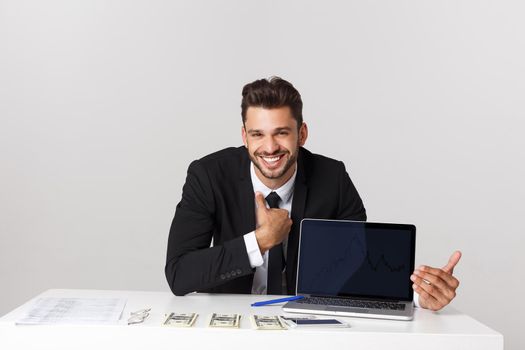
(358, 259)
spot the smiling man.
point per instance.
(249, 202)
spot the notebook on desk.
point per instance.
(355, 268)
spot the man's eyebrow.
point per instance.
(276, 130)
(283, 128)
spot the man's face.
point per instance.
(273, 140)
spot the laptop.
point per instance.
(355, 268)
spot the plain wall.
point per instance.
(103, 104)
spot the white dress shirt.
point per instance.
(257, 260)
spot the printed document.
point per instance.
(64, 311)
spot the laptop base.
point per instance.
(405, 315)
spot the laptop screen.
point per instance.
(357, 259)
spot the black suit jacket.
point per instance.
(218, 203)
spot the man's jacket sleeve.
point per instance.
(191, 264)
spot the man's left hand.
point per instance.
(436, 287)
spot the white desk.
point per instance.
(449, 329)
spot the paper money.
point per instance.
(180, 320)
(267, 322)
(225, 320)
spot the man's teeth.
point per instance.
(271, 159)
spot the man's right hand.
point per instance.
(274, 224)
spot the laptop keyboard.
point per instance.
(352, 303)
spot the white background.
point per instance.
(103, 104)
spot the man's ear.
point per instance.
(303, 134)
(243, 134)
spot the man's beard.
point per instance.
(270, 174)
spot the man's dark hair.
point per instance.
(272, 93)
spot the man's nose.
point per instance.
(270, 145)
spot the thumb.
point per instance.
(260, 201)
(452, 262)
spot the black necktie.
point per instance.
(276, 256)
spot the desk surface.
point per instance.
(447, 329)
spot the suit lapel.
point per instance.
(298, 206)
(246, 195)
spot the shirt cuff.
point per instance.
(252, 248)
(416, 299)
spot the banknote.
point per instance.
(225, 320)
(267, 322)
(180, 320)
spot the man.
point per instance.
(255, 241)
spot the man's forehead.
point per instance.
(279, 117)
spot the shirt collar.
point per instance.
(285, 191)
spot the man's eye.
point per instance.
(283, 133)
(256, 135)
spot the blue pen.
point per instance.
(275, 301)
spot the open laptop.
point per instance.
(355, 268)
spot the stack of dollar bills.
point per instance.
(217, 320)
